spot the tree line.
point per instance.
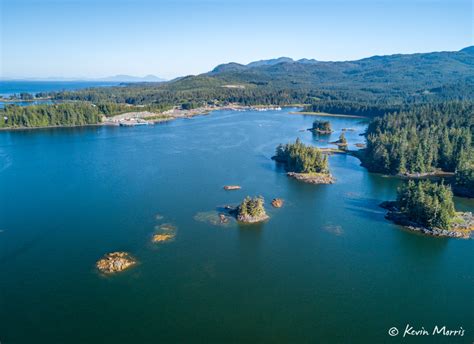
(62, 114)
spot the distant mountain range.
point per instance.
(390, 79)
(130, 78)
(260, 63)
(401, 75)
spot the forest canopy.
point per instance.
(323, 127)
(426, 203)
(62, 114)
(422, 139)
(300, 158)
(251, 207)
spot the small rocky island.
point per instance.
(277, 202)
(115, 262)
(162, 237)
(428, 208)
(251, 210)
(232, 187)
(164, 232)
(305, 163)
(342, 142)
(321, 127)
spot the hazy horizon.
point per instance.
(85, 39)
(102, 77)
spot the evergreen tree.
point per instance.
(427, 203)
(300, 158)
(421, 139)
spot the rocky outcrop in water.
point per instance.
(313, 178)
(115, 262)
(277, 202)
(232, 187)
(157, 238)
(252, 219)
(223, 219)
(163, 233)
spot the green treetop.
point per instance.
(300, 158)
(253, 207)
(427, 203)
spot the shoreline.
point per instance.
(459, 231)
(325, 114)
(52, 127)
(8, 100)
(166, 116)
(313, 178)
(448, 177)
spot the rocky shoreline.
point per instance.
(177, 112)
(313, 178)
(324, 114)
(321, 132)
(462, 229)
(252, 219)
(434, 174)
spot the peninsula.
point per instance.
(428, 208)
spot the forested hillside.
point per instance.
(377, 83)
(422, 139)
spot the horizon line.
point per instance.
(162, 79)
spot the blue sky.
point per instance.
(95, 38)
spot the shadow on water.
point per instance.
(320, 138)
(270, 165)
(250, 240)
(366, 208)
(420, 247)
(27, 246)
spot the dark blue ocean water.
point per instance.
(15, 87)
(325, 268)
